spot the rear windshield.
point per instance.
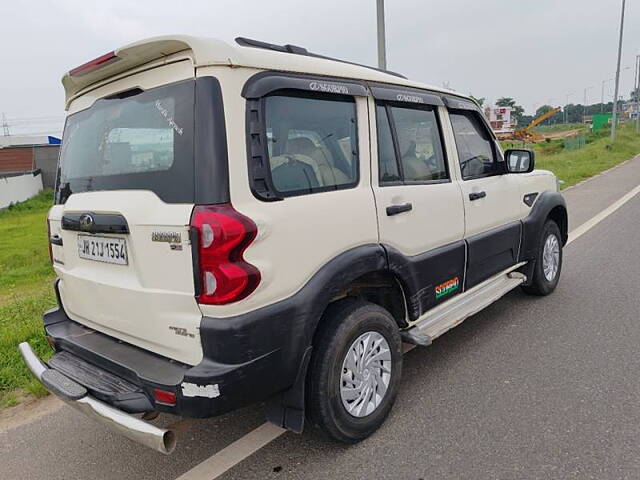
(138, 139)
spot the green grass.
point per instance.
(598, 155)
(25, 292)
(559, 127)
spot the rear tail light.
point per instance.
(94, 64)
(49, 240)
(221, 237)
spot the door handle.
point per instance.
(56, 240)
(477, 195)
(396, 209)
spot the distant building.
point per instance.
(501, 119)
(29, 153)
(630, 110)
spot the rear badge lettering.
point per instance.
(169, 237)
(206, 391)
(447, 287)
(173, 238)
(183, 332)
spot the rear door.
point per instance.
(420, 211)
(126, 190)
(492, 198)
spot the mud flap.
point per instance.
(286, 409)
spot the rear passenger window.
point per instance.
(312, 143)
(475, 146)
(419, 144)
(409, 145)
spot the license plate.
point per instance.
(103, 249)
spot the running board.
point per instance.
(450, 314)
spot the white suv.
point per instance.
(249, 222)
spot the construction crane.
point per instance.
(526, 134)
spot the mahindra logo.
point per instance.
(86, 222)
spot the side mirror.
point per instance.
(520, 161)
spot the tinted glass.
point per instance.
(419, 143)
(475, 146)
(142, 141)
(387, 164)
(313, 144)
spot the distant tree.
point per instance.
(479, 100)
(544, 109)
(635, 94)
(516, 110)
(505, 102)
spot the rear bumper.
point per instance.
(208, 389)
(77, 397)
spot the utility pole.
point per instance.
(5, 126)
(614, 118)
(382, 47)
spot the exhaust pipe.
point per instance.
(161, 440)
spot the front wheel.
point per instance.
(355, 370)
(546, 272)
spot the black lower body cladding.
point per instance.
(248, 358)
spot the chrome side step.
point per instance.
(450, 314)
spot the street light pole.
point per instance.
(602, 100)
(382, 48)
(637, 91)
(584, 104)
(615, 95)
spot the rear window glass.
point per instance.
(312, 143)
(136, 140)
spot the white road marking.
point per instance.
(233, 454)
(589, 224)
(246, 446)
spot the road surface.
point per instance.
(530, 388)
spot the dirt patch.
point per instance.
(29, 410)
(567, 134)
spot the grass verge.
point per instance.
(598, 154)
(25, 292)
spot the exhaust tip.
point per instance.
(169, 441)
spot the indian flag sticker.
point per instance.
(447, 287)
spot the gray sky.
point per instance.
(488, 48)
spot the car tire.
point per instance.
(546, 272)
(349, 398)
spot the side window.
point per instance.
(419, 143)
(475, 146)
(312, 143)
(413, 136)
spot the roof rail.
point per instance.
(296, 50)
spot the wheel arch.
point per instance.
(549, 205)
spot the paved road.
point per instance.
(529, 388)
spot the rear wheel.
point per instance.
(546, 272)
(355, 370)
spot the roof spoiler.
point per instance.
(120, 60)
